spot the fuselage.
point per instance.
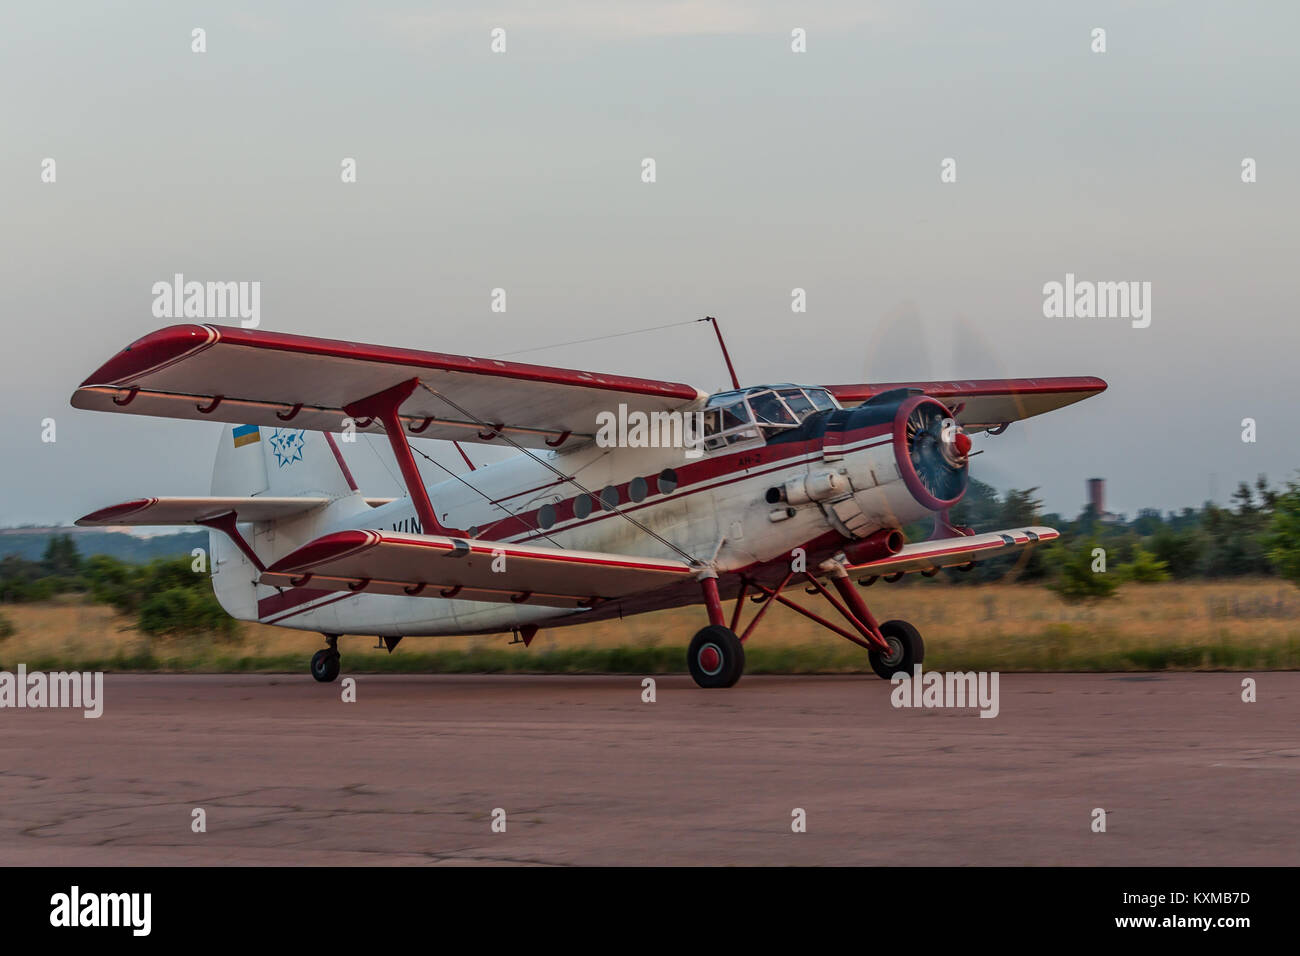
(746, 500)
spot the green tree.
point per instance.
(115, 583)
(1076, 580)
(62, 559)
(1181, 550)
(1283, 538)
(17, 577)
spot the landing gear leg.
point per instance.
(325, 662)
(716, 658)
(903, 645)
(892, 648)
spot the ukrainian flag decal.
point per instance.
(246, 435)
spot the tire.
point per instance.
(716, 657)
(325, 665)
(908, 650)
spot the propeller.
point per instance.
(939, 459)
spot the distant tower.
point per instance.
(1097, 495)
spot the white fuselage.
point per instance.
(717, 514)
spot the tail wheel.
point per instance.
(716, 657)
(325, 665)
(905, 650)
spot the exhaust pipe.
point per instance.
(883, 544)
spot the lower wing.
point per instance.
(434, 566)
(928, 556)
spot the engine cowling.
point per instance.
(897, 458)
(922, 445)
(931, 454)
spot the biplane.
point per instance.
(784, 485)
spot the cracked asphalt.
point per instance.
(586, 773)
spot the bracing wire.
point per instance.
(560, 474)
(597, 338)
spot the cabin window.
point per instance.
(582, 506)
(725, 425)
(546, 516)
(638, 489)
(797, 402)
(609, 498)
(667, 481)
(821, 399)
(730, 417)
(770, 410)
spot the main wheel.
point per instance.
(905, 649)
(716, 657)
(325, 665)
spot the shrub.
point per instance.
(1075, 578)
(184, 610)
(1143, 568)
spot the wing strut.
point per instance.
(383, 406)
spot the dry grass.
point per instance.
(1240, 624)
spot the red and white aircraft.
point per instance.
(805, 484)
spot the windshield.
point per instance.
(731, 417)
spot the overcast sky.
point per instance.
(775, 170)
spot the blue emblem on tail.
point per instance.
(287, 444)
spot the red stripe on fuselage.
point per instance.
(735, 467)
(284, 600)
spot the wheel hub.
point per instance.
(710, 659)
(895, 652)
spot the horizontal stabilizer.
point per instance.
(434, 566)
(950, 552)
(178, 511)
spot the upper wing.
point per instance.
(949, 552)
(251, 377)
(989, 403)
(435, 566)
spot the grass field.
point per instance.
(1243, 624)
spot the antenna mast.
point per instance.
(726, 357)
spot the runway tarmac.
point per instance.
(287, 773)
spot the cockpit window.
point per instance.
(821, 399)
(797, 402)
(730, 417)
(734, 415)
(770, 410)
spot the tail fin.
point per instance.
(281, 463)
(274, 463)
